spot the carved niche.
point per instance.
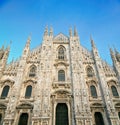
(61, 95)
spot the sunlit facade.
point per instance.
(59, 83)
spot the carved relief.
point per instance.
(61, 38)
(48, 91)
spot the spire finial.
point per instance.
(28, 40)
(29, 37)
(3, 46)
(112, 54)
(51, 31)
(92, 41)
(70, 32)
(116, 51)
(111, 51)
(91, 37)
(46, 31)
(75, 31)
(8, 48)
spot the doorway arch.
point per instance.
(99, 119)
(61, 114)
(23, 120)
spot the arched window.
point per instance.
(93, 91)
(23, 120)
(5, 91)
(28, 91)
(61, 75)
(32, 72)
(61, 53)
(114, 91)
(98, 119)
(119, 115)
(90, 72)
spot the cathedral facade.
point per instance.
(59, 83)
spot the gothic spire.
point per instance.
(2, 47)
(70, 32)
(112, 53)
(116, 51)
(92, 42)
(8, 48)
(51, 31)
(75, 32)
(27, 46)
(46, 31)
(28, 42)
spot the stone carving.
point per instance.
(47, 92)
(61, 38)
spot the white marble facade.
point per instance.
(59, 73)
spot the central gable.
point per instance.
(61, 38)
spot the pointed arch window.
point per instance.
(5, 91)
(61, 53)
(114, 91)
(93, 91)
(28, 91)
(61, 75)
(90, 72)
(32, 72)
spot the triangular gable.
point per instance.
(61, 37)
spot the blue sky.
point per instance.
(20, 18)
